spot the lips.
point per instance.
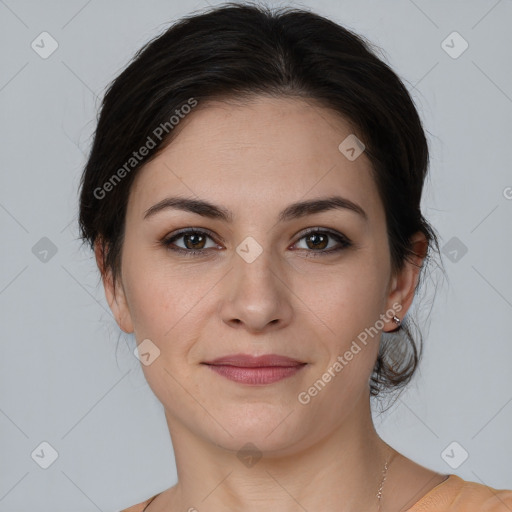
(248, 361)
(255, 370)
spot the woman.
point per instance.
(253, 200)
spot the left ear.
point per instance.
(404, 283)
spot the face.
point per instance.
(245, 278)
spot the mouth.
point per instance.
(255, 371)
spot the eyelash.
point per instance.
(344, 241)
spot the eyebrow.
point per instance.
(293, 211)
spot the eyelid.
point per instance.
(320, 229)
(185, 231)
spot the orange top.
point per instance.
(452, 495)
(457, 495)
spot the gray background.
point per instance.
(66, 380)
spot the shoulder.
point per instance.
(458, 495)
(487, 499)
(140, 506)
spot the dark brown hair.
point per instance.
(236, 51)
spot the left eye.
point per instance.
(318, 240)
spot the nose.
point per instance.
(255, 295)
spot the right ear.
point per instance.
(114, 292)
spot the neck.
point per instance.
(341, 471)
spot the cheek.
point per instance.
(349, 306)
(350, 337)
(168, 304)
(347, 301)
(155, 294)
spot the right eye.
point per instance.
(193, 240)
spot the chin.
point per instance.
(270, 428)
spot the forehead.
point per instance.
(266, 151)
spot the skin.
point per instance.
(254, 159)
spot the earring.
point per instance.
(398, 323)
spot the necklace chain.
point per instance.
(384, 475)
